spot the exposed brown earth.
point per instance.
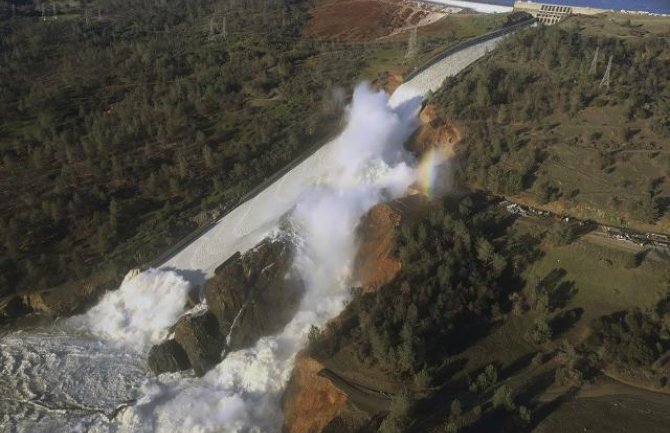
(375, 263)
(365, 20)
(311, 402)
(388, 81)
(435, 134)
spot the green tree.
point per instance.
(503, 397)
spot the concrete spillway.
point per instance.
(432, 78)
(249, 223)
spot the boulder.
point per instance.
(256, 292)
(273, 303)
(226, 293)
(168, 357)
(273, 294)
(199, 336)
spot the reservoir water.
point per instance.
(655, 6)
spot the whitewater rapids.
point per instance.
(88, 373)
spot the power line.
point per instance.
(411, 45)
(594, 63)
(606, 78)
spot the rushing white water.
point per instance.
(134, 314)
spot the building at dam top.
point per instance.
(551, 14)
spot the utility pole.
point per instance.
(606, 78)
(86, 16)
(594, 63)
(13, 10)
(43, 16)
(53, 10)
(99, 14)
(223, 27)
(411, 45)
(211, 28)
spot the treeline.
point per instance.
(124, 129)
(544, 72)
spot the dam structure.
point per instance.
(550, 14)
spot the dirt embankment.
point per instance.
(367, 20)
(311, 402)
(434, 133)
(388, 81)
(375, 263)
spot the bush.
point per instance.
(503, 397)
(541, 332)
(546, 191)
(562, 234)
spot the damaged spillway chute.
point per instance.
(260, 305)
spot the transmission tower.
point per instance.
(606, 78)
(594, 63)
(411, 44)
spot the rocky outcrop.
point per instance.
(434, 134)
(251, 296)
(375, 263)
(226, 293)
(168, 357)
(255, 293)
(199, 336)
(311, 402)
(66, 300)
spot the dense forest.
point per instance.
(541, 118)
(127, 124)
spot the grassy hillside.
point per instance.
(539, 124)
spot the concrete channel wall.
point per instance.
(467, 44)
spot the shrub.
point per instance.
(541, 332)
(503, 397)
